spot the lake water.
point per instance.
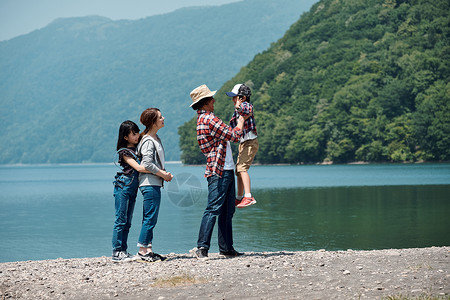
(67, 211)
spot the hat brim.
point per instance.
(206, 96)
(231, 94)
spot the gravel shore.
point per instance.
(377, 274)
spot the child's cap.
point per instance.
(240, 90)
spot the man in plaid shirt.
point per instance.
(214, 137)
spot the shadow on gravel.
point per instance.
(217, 256)
(262, 254)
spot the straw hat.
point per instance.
(200, 93)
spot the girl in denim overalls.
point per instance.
(125, 188)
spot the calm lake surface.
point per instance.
(67, 211)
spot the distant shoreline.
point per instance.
(255, 164)
(71, 164)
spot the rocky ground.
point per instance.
(380, 274)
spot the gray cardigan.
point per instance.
(147, 150)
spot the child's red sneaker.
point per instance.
(246, 201)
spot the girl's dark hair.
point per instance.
(125, 129)
(202, 102)
(148, 119)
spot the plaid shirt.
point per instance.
(212, 137)
(249, 124)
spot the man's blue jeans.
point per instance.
(152, 201)
(125, 191)
(221, 196)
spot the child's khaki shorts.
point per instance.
(247, 152)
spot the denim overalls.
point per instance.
(125, 192)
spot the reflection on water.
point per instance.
(68, 211)
(346, 218)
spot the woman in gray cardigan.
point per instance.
(151, 151)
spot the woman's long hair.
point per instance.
(148, 119)
(125, 129)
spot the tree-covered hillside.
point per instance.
(352, 80)
(65, 89)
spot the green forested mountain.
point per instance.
(351, 80)
(65, 89)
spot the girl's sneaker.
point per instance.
(246, 201)
(121, 256)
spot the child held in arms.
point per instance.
(248, 144)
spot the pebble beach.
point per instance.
(418, 273)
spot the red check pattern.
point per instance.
(244, 110)
(212, 137)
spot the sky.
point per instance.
(19, 17)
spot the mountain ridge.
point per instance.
(351, 80)
(68, 86)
